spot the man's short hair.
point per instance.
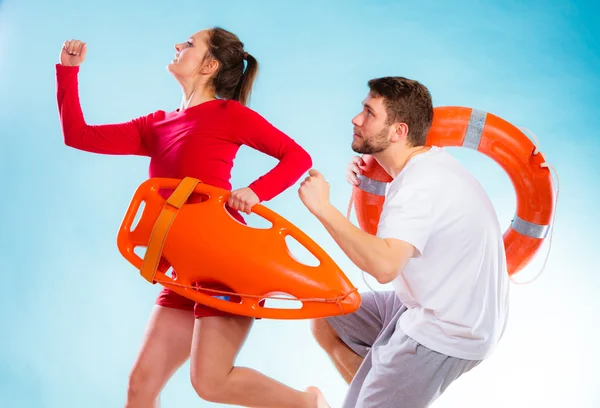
(406, 101)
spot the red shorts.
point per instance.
(168, 298)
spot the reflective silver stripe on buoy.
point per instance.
(529, 229)
(475, 129)
(371, 186)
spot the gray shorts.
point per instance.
(396, 371)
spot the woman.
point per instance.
(200, 139)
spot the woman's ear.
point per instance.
(209, 66)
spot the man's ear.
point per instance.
(400, 132)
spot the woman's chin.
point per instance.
(172, 67)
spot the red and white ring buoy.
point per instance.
(506, 145)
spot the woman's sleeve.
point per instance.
(128, 138)
(253, 130)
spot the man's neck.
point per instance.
(394, 161)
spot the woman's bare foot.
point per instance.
(321, 403)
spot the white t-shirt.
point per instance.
(456, 285)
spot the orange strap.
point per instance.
(162, 225)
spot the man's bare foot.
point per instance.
(321, 403)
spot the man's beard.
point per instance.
(373, 144)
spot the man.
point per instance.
(438, 242)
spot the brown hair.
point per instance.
(407, 101)
(231, 80)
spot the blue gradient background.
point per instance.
(73, 310)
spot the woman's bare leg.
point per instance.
(216, 343)
(165, 347)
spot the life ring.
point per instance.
(506, 145)
(205, 245)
